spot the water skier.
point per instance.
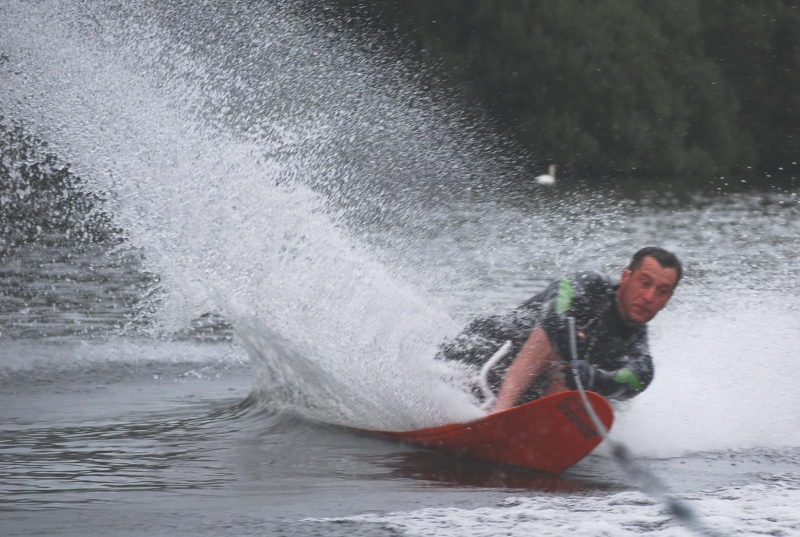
(614, 355)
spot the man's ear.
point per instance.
(626, 273)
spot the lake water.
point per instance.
(304, 219)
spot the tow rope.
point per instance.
(646, 481)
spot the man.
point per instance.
(611, 334)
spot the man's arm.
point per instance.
(535, 356)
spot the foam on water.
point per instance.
(764, 508)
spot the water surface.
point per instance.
(302, 222)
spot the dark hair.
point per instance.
(665, 259)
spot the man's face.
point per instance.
(645, 291)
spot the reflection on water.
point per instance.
(501, 248)
(81, 462)
(485, 252)
(68, 291)
(447, 470)
(61, 292)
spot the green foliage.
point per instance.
(600, 86)
(757, 44)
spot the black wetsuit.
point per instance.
(620, 365)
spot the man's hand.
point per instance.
(586, 373)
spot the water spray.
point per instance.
(645, 480)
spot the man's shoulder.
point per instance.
(591, 279)
(589, 284)
(590, 288)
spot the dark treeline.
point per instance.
(41, 199)
(607, 86)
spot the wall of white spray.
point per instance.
(229, 230)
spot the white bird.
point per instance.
(549, 178)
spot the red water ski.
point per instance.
(550, 434)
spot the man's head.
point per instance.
(647, 284)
